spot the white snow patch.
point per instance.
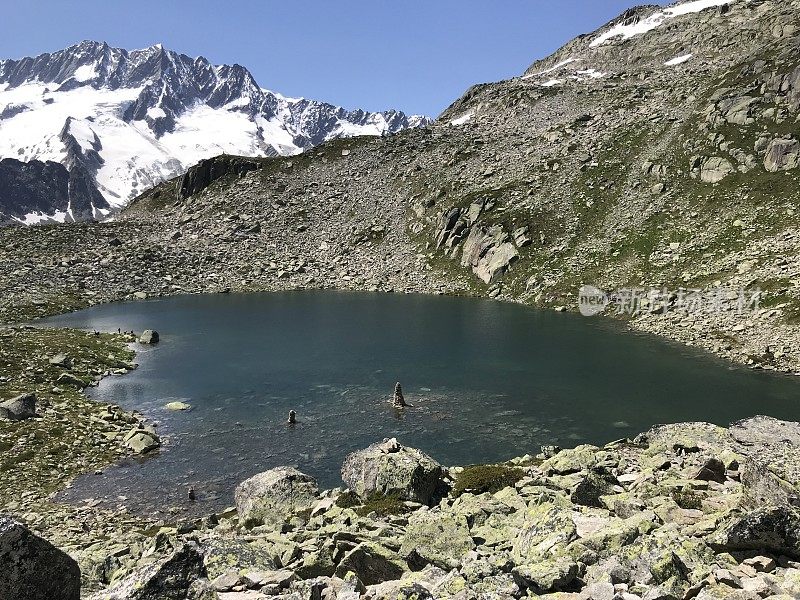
(551, 83)
(678, 60)
(555, 67)
(694, 7)
(591, 73)
(85, 73)
(655, 20)
(156, 112)
(34, 218)
(465, 118)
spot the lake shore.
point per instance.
(670, 512)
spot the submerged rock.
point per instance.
(388, 468)
(273, 496)
(31, 568)
(19, 408)
(177, 406)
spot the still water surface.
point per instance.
(488, 381)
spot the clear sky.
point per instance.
(414, 55)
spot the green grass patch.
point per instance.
(480, 479)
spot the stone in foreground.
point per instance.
(31, 568)
(388, 468)
(19, 408)
(273, 496)
(771, 529)
(168, 579)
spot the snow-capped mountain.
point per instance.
(131, 119)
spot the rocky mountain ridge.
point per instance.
(129, 120)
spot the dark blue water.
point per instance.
(488, 381)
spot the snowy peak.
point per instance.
(131, 119)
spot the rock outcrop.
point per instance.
(390, 469)
(31, 568)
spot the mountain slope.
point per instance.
(634, 169)
(133, 119)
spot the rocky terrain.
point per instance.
(658, 153)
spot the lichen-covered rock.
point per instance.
(770, 529)
(19, 408)
(389, 468)
(438, 538)
(547, 525)
(372, 564)
(274, 496)
(31, 568)
(546, 576)
(167, 579)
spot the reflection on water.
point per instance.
(488, 381)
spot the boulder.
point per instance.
(141, 441)
(273, 496)
(61, 360)
(149, 336)
(762, 487)
(19, 408)
(773, 529)
(546, 576)
(170, 578)
(34, 569)
(70, 379)
(712, 470)
(372, 564)
(437, 538)
(715, 169)
(782, 154)
(389, 468)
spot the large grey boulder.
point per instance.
(273, 496)
(782, 154)
(142, 441)
(149, 336)
(388, 468)
(438, 538)
(170, 578)
(773, 529)
(372, 564)
(715, 169)
(31, 568)
(19, 408)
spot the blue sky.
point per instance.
(407, 54)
